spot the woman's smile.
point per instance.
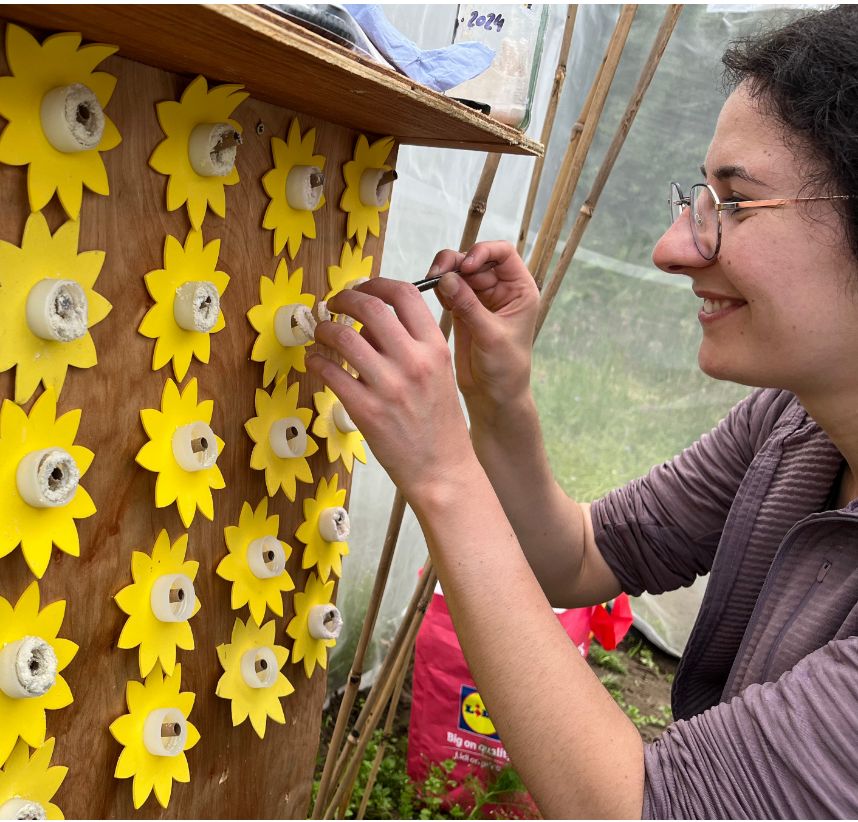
(716, 306)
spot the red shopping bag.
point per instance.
(448, 717)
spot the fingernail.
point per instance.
(449, 284)
(434, 271)
(468, 259)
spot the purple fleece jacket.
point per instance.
(766, 694)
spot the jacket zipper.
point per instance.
(820, 575)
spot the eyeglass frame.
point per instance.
(684, 202)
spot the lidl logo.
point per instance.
(473, 716)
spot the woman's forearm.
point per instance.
(550, 527)
(561, 728)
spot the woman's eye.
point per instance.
(738, 213)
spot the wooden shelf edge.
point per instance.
(281, 63)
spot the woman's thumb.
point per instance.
(463, 303)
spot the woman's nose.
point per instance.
(676, 252)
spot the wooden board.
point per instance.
(233, 772)
(283, 63)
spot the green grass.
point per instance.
(616, 380)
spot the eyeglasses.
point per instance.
(706, 211)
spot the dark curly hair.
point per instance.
(805, 74)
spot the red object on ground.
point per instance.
(449, 719)
(609, 627)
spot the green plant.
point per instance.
(609, 660)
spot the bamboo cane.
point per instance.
(548, 123)
(557, 191)
(356, 672)
(372, 716)
(383, 675)
(586, 211)
(479, 203)
(335, 759)
(385, 738)
(399, 683)
(575, 158)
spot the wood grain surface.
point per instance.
(233, 772)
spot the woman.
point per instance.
(766, 696)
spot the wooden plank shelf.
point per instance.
(282, 63)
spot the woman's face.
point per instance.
(776, 304)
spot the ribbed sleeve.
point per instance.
(784, 749)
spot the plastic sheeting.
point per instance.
(615, 372)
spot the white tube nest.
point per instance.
(18, 808)
(342, 420)
(266, 557)
(259, 668)
(195, 446)
(324, 622)
(334, 524)
(196, 306)
(173, 598)
(288, 438)
(72, 118)
(304, 186)
(47, 478)
(165, 732)
(28, 668)
(376, 185)
(57, 310)
(212, 148)
(294, 325)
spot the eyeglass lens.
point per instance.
(704, 220)
(675, 202)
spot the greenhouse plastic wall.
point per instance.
(615, 369)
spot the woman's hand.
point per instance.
(404, 400)
(494, 304)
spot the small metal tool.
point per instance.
(428, 283)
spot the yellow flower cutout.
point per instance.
(24, 716)
(157, 704)
(353, 266)
(252, 680)
(159, 604)
(306, 647)
(273, 412)
(178, 120)
(289, 187)
(188, 288)
(36, 528)
(182, 425)
(30, 782)
(38, 69)
(47, 275)
(362, 216)
(325, 554)
(283, 290)
(254, 561)
(335, 426)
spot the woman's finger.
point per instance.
(446, 260)
(348, 389)
(373, 313)
(408, 303)
(497, 255)
(353, 348)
